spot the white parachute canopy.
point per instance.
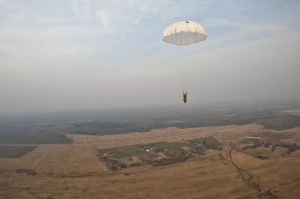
(184, 33)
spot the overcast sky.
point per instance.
(58, 55)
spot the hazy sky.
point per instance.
(93, 54)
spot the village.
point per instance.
(156, 154)
(166, 153)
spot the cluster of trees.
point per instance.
(291, 147)
(271, 118)
(46, 129)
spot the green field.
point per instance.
(207, 142)
(171, 149)
(15, 151)
(124, 152)
(135, 150)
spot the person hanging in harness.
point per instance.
(185, 97)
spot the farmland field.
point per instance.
(181, 156)
(14, 151)
(60, 172)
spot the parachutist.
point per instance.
(183, 33)
(185, 97)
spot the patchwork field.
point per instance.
(76, 170)
(158, 153)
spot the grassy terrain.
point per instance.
(169, 145)
(74, 171)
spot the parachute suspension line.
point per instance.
(178, 63)
(183, 67)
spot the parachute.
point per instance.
(181, 34)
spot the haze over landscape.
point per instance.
(91, 99)
(84, 54)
